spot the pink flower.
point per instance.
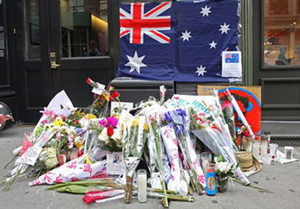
(226, 104)
(25, 147)
(58, 136)
(74, 179)
(47, 112)
(112, 121)
(44, 122)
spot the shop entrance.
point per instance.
(58, 44)
(277, 58)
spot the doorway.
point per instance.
(277, 58)
(58, 44)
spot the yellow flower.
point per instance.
(58, 122)
(111, 88)
(79, 144)
(106, 96)
(146, 128)
(88, 160)
(91, 116)
(135, 122)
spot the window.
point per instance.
(281, 33)
(32, 29)
(84, 28)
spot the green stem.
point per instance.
(254, 187)
(165, 199)
(10, 161)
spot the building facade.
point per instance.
(50, 45)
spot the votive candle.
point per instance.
(142, 186)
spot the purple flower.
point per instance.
(103, 123)
(112, 121)
(181, 112)
(168, 117)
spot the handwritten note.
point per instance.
(31, 155)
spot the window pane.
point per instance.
(32, 29)
(84, 28)
(281, 33)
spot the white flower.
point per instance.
(117, 134)
(103, 136)
(77, 140)
(224, 167)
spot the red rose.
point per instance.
(115, 94)
(80, 153)
(110, 131)
(75, 121)
(88, 81)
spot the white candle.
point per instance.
(255, 149)
(264, 147)
(142, 186)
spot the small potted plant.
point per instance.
(225, 170)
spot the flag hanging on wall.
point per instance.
(181, 41)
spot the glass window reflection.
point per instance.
(84, 28)
(281, 33)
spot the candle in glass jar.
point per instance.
(255, 149)
(62, 157)
(74, 153)
(264, 146)
(142, 186)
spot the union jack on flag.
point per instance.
(138, 22)
(181, 41)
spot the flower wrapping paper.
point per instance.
(71, 171)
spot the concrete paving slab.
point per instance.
(282, 180)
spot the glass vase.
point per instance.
(222, 184)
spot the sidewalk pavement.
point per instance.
(282, 180)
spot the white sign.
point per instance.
(121, 106)
(99, 90)
(232, 64)
(31, 155)
(115, 164)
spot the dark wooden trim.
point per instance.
(281, 106)
(114, 31)
(4, 94)
(261, 32)
(278, 106)
(281, 118)
(286, 79)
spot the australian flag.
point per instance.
(180, 41)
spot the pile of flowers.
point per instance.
(69, 146)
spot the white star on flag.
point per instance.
(213, 44)
(224, 28)
(186, 35)
(201, 70)
(205, 11)
(135, 63)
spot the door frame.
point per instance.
(48, 40)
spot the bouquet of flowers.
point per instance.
(154, 115)
(179, 120)
(109, 134)
(135, 134)
(102, 97)
(225, 170)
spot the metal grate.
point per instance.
(286, 142)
